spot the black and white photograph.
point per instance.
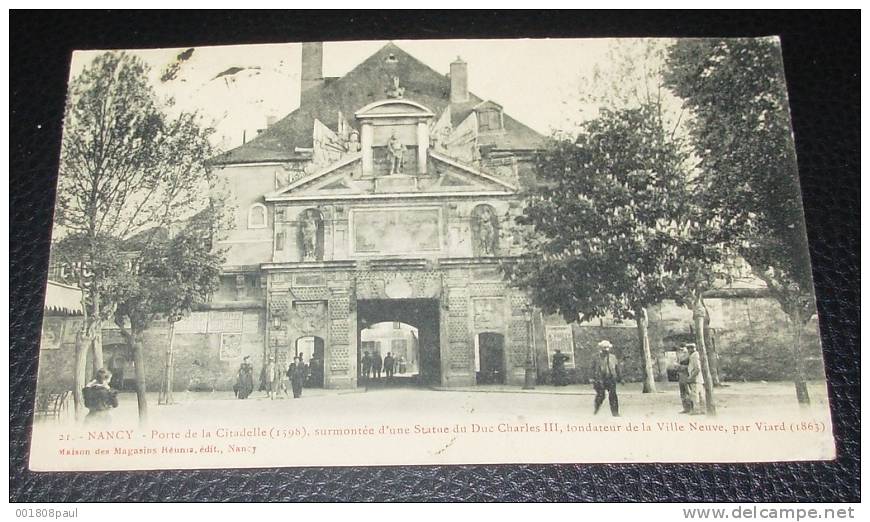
(408, 252)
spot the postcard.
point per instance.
(429, 252)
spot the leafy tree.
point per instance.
(704, 265)
(170, 278)
(126, 166)
(96, 276)
(602, 221)
(742, 133)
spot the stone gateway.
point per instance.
(394, 227)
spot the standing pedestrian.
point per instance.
(377, 364)
(389, 365)
(694, 380)
(682, 368)
(366, 366)
(270, 382)
(297, 374)
(605, 374)
(245, 379)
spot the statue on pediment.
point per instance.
(353, 142)
(395, 91)
(396, 154)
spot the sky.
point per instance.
(537, 81)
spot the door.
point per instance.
(491, 356)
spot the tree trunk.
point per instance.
(97, 332)
(166, 387)
(82, 345)
(139, 367)
(800, 377)
(710, 344)
(699, 315)
(649, 381)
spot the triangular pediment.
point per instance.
(344, 180)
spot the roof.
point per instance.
(363, 85)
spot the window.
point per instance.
(257, 216)
(489, 120)
(279, 241)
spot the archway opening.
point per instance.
(489, 359)
(394, 350)
(313, 351)
(405, 330)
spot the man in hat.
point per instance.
(694, 380)
(270, 381)
(297, 374)
(605, 374)
(389, 365)
(377, 364)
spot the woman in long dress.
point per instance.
(297, 376)
(246, 379)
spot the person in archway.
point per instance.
(366, 365)
(389, 365)
(315, 371)
(605, 374)
(377, 364)
(297, 374)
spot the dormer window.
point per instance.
(490, 116)
(490, 120)
(257, 216)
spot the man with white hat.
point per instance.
(605, 374)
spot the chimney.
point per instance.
(312, 65)
(458, 81)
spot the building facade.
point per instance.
(387, 196)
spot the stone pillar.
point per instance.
(341, 351)
(366, 138)
(422, 146)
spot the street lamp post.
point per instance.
(530, 379)
(276, 327)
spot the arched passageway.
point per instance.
(407, 330)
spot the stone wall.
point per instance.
(198, 361)
(752, 336)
